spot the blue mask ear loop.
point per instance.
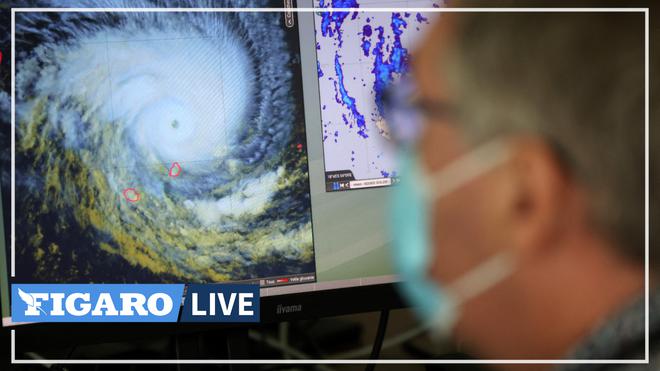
(473, 283)
(466, 168)
(488, 273)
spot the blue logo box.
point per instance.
(96, 302)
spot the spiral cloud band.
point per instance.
(159, 147)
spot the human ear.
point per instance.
(543, 199)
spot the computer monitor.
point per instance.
(204, 147)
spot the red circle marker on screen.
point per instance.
(175, 170)
(132, 195)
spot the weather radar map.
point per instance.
(358, 55)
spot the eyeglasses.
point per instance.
(406, 112)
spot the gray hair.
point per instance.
(577, 81)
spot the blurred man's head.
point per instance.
(565, 91)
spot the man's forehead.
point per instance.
(427, 59)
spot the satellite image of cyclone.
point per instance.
(159, 146)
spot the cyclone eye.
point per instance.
(158, 145)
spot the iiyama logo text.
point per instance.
(284, 309)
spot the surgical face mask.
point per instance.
(412, 202)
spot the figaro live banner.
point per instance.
(134, 303)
